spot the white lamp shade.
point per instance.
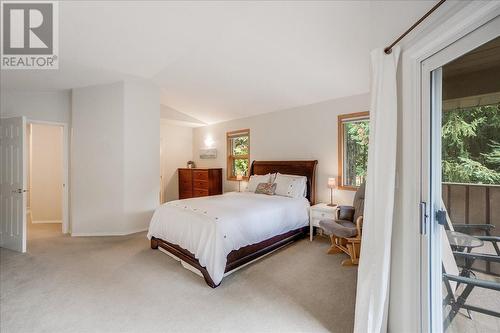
(239, 177)
(332, 182)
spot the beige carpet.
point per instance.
(118, 284)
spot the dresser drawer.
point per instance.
(200, 185)
(185, 176)
(200, 175)
(185, 184)
(200, 193)
(199, 182)
(185, 194)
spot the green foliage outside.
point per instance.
(240, 148)
(471, 145)
(356, 136)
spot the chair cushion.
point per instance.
(339, 228)
(359, 202)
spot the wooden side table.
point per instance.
(317, 213)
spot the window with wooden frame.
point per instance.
(238, 154)
(353, 135)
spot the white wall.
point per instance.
(142, 153)
(46, 106)
(97, 159)
(307, 132)
(176, 150)
(46, 170)
(115, 158)
(390, 18)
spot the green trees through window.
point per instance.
(471, 145)
(240, 149)
(356, 135)
(238, 157)
(353, 136)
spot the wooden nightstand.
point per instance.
(317, 213)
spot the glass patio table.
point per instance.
(460, 241)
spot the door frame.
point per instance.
(414, 275)
(66, 228)
(417, 64)
(431, 153)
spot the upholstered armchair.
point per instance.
(345, 230)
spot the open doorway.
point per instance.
(45, 178)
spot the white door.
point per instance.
(434, 312)
(13, 184)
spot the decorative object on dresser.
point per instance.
(199, 182)
(345, 228)
(332, 184)
(317, 213)
(190, 165)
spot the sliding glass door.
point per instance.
(461, 184)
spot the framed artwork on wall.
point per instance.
(208, 153)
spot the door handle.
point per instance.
(19, 190)
(423, 218)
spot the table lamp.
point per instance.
(332, 184)
(239, 178)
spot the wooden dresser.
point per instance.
(199, 182)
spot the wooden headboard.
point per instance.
(299, 168)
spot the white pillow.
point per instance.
(273, 177)
(291, 186)
(256, 180)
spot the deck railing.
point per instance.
(474, 204)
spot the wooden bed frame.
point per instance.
(245, 255)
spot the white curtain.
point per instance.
(372, 297)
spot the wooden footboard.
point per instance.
(235, 258)
(184, 255)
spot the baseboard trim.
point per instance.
(48, 221)
(106, 233)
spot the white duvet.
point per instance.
(211, 227)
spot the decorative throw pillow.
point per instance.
(266, 188)
(346, 213)
(256, 180)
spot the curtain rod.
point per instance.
(388, 49)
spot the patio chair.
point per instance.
(469, 228)
(345, 229)
(456, 297)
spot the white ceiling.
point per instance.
(213, 61)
